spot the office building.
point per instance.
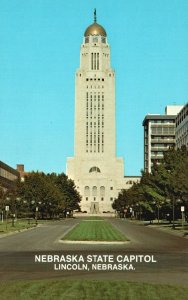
(182, 127)
(159, 135)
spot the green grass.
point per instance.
(94, 230)
(19, 224)
(94, 218)
(88, 290)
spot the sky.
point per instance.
(39, 54)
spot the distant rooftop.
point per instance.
(173, 109)
(158, 117)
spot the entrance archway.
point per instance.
(94, 208)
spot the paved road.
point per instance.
(17, 253)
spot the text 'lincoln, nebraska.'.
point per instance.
(93, 262)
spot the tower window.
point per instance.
(95, 39)
(94, 191)
(94, 169)
(91, 62)
(86, 191)
(97, 61)
(102, 191)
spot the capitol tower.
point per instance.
(97, 172)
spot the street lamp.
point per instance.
(36, 215)
(13, 219)
(17, 201)
(7, 210)
(36, 211)
(26, 210)
(140, 211)
(2, 215)
(158, 209)
(182, 216)
(173, 211)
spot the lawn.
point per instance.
(19, 224)
(94, 230)
(88, 290)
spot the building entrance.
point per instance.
(94, 208)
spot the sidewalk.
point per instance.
(164, 226)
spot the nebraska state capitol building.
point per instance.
(97, 172)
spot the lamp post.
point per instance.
(36, 210)
(157, 205)
(26, 210)
(139, 206)
(2, 215)
(13, 219)
(182, 216)
(173, 210)
(16, 212)
(173, 213)
(6, 211)
(36, 215)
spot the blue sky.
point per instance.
(39, 54)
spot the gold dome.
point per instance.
(95, 29)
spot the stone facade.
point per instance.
(97, 172)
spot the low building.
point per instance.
(20, 169)
(8, 176)
(159, 135)
(182, 127)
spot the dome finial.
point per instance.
(95, 16)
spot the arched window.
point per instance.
(86, 191)
(102, 191)
(95, 169)
(94, 191)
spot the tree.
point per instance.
(51, 193)
(168, 181)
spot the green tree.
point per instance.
(51, 193)
(159, 191)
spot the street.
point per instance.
(17, 253)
